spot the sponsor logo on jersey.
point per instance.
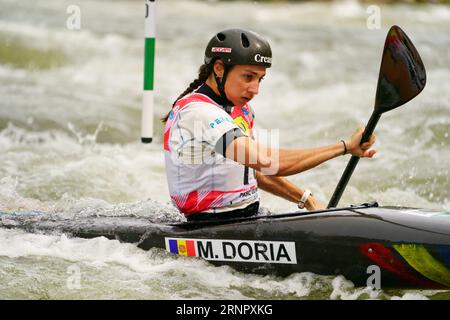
(242, 124)
(235, 250)
(248, 193)
(219, 121)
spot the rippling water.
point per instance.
(69, 133)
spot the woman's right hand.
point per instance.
(363, 150)
(312, 204)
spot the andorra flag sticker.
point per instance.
(182, 247)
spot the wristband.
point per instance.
(305, 196)
(345, 147)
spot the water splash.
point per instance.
(85, 138)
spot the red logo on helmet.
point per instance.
(220, 49)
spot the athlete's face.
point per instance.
(242, 83)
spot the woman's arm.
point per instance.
(283, 188)
(286, 162)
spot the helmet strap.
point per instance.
(221, 87)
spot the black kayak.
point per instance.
(404, 247)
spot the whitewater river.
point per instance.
(70, 103)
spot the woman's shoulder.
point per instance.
(204, 112)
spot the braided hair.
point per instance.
(203, 73)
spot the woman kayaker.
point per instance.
(213, 164)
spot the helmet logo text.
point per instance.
(260, 58)
(220, 49)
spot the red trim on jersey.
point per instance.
(196, 202)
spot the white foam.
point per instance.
(11, 200)
(347, 9)
(110, 171)
(96, 252)
(410, 296)
(345, 290)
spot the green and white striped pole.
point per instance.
(149, 68)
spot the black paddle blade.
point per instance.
(402, 73)
(402, 77)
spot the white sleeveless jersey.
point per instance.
(200, 179)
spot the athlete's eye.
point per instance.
(248, 77)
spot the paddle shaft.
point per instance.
(370, 127)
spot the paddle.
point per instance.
(401, 78)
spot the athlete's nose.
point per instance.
(254, 87)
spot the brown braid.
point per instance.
(203, 73)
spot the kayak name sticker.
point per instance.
(234, 250)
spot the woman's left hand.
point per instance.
(363, 150)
